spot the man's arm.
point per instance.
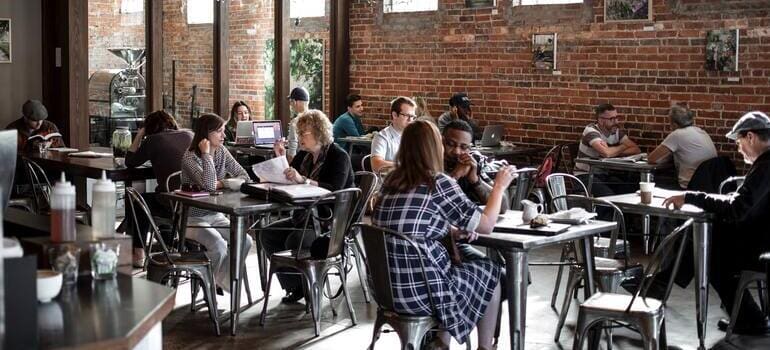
(607, 151)
(379, 163)
(660, 154)
(349, 127)
(631, 147)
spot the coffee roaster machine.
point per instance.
(116, 97)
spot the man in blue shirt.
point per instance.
(349, 123)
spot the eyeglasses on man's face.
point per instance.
(407, 116)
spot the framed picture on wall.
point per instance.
(544, 51)
(5, 40)
(627, 10)
(722, 50)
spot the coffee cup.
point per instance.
(645, 191)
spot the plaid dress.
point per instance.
(461, 293)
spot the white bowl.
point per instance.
(48, 285)
(233, 183)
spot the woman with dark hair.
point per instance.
(206, 163)
(466, 294)
(239, 112)
(162, 143)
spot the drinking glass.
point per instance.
(104, 260)
(64, 258)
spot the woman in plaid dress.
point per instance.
(420, 201)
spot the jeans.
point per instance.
(213, 232)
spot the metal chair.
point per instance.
(558, 188)
(411, 329)
(369, 183)
(366, 160)
(315, 271)
(736, 181)
(41, 191)
(646, 314)
(610, 272)
(166, 265)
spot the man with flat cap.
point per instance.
(741, 222)
(33, 127)
(459, 108)
(298, 104)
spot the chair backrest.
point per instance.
(560, 184)
(138, 206)
(590, 203)
(174, 181)
(731, 184)
(340, 219)
(655, 265)
(366, 163)
(41, 187)
(378, 266)
(368, 182)
(710, 174)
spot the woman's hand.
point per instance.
(676, 201)
(204, 146)
(279, 147)
(220, 185)
(293, 175)
(463, 235)
(505, 176)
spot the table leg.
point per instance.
(585, 256)
(701, 245)
(590, 179)
(516, 269)
(182, 233)
(237, 230)
(646, 233)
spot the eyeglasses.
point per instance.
(408, 116)
(191, 187)
(451, 144)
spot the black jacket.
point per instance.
(735, 210)
(336, 172)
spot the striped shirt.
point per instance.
(591, 134)
(208, 169)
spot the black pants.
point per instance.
(278, 240)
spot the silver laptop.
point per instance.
(492, 135)
(265, 132)
(244, 133)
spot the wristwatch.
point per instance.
(306, 180)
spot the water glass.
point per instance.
(42, 147)
(104, 260)
(64, 258)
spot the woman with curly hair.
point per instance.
(319, 162)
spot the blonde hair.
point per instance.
(422, 107)
(420, 157)
(318, 123)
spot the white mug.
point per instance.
(530, 210)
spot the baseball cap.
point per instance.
(755, 120)
(34, 110)
(299, 94)
(460, 99)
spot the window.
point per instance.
(391, 6)
(547, 2)
(200, 11)
(131, 6)
(307, 8)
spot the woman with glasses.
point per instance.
(206, 163)
(319, 162)
(385, 143)
(419, 200)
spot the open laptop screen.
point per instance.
(266, 132)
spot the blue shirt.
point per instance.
(347, 125)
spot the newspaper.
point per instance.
(272, 170)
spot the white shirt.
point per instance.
(385, 143)
(690, 146)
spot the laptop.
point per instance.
(492, 135)
(244, 133)
(266, 132)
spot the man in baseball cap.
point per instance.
(298, 103)
(741, 223)
(459, 108)
(33, 125)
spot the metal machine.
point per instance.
(116, 97)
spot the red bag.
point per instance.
(546, 168)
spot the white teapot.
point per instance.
(530, 210)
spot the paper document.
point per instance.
(90, 154)
(272, 170)
(62, 149)
(295, 191)
(634, 158)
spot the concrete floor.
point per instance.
(289, 327)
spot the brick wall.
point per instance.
(486, 52)
(108, 28)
